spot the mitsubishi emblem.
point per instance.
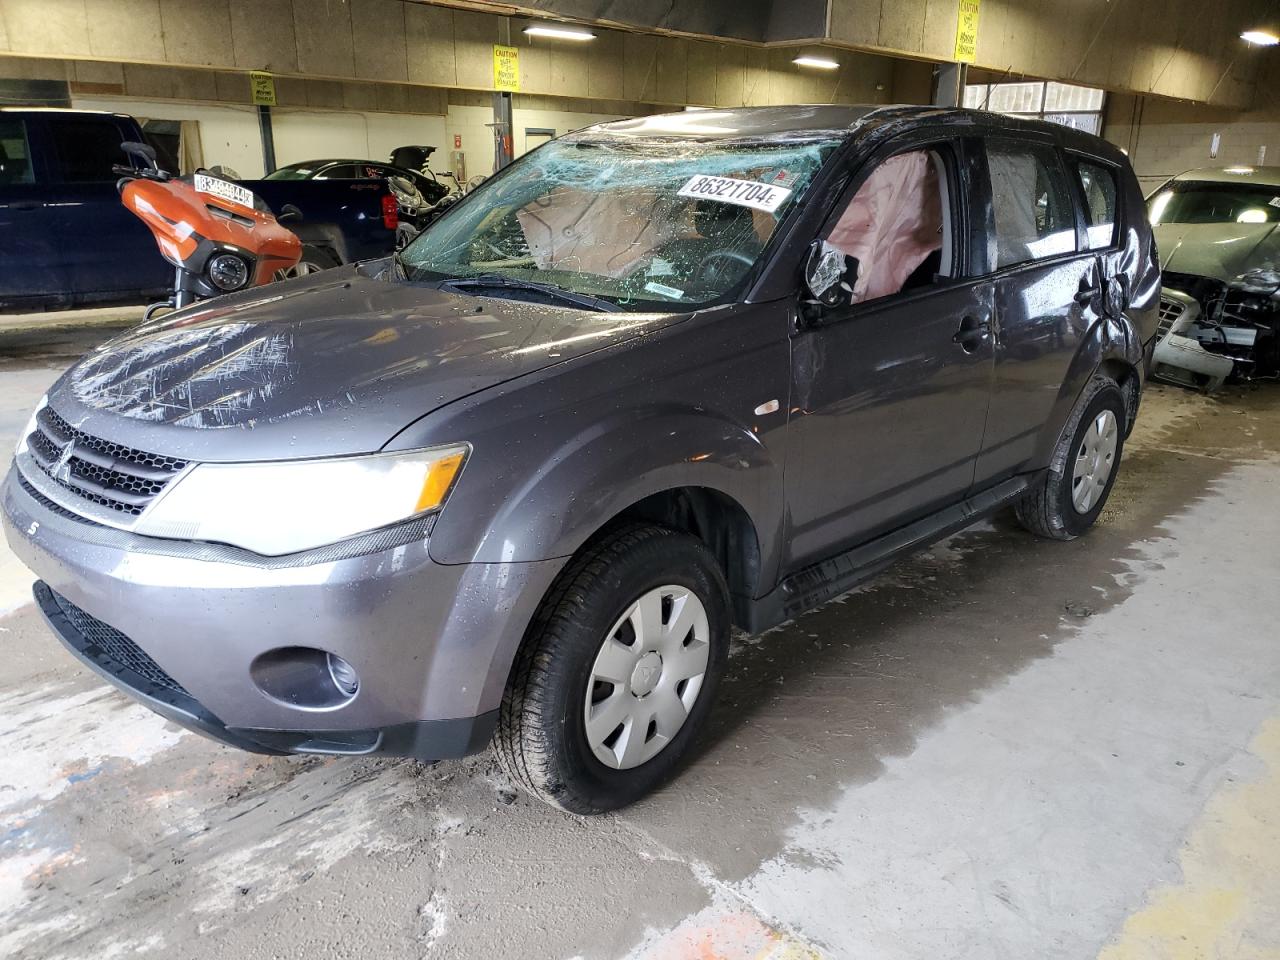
(61, 469)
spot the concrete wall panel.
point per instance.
(326, 47)
(263, 35)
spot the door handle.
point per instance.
(973, 330)
(1087, 293)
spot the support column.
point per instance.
(268, 140)
(502, 131)
(948, 84)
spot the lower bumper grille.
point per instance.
(116, 646)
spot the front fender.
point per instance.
(594, 476)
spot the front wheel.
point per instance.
(1067, 499)
(617, 672)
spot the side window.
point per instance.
(1099, 186)
(85, 148)
(1034, 215)
(897, 226)
(15, 156)
(341, 171)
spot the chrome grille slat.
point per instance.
(101, 472)
(1170, 312)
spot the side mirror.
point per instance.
(141, 151)
(289, 214)
(830, 275)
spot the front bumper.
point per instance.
(432, 643)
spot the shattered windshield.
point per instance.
(638, 224)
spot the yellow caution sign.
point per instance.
(506, 68)
(264, 88)
(967, 31)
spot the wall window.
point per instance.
(1033, 210)
(15, 158)
(896, 226)
(1064, 103)
(1099, 185)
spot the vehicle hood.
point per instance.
(332, 365)
(1222, 251)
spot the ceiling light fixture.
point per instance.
(1260, 38)
(559, 33)
(821, 63)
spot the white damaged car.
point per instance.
(1216, 230)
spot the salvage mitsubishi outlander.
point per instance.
(656, 378)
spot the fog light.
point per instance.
(228, 272)
(343, 675)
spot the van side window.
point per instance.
(1033, 210)
(15, 157)
(86, 148)
(1099, 186)
(897, 226)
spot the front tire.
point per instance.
(1068, 498)
(617, 672)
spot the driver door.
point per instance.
(890, 392)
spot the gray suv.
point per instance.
(656, 378)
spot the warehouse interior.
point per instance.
(988, 743)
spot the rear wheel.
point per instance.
(1067, 499)
(617, 672)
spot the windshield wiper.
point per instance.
(489, 281)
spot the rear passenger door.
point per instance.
(106, 250)
(29, 260)
(1047, 295)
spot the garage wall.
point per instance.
(1165, 137)
(1178, 48)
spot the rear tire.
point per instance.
(1067, 499)
(559, 705)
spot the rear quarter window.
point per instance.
(1098, 186)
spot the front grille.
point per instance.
(115, 646)
(99, 471)
(1170, 311)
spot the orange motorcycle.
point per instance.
(219, 236)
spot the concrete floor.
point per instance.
(1003, 748)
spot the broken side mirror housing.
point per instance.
(829, 276)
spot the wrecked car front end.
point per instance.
(1220, 302)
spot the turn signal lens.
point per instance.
(439, 479)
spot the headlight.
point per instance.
(1258, 280)
(286, 506)
(228, 272)
(30, 428)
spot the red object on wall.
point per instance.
(457, 141)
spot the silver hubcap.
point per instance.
(302, 268)
(647, 677)
(1094, 461)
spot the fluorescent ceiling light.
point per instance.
(1261, 38)
(560, 33)
(822, 63)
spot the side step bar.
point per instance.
(829, 578)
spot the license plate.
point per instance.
(224, 190)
